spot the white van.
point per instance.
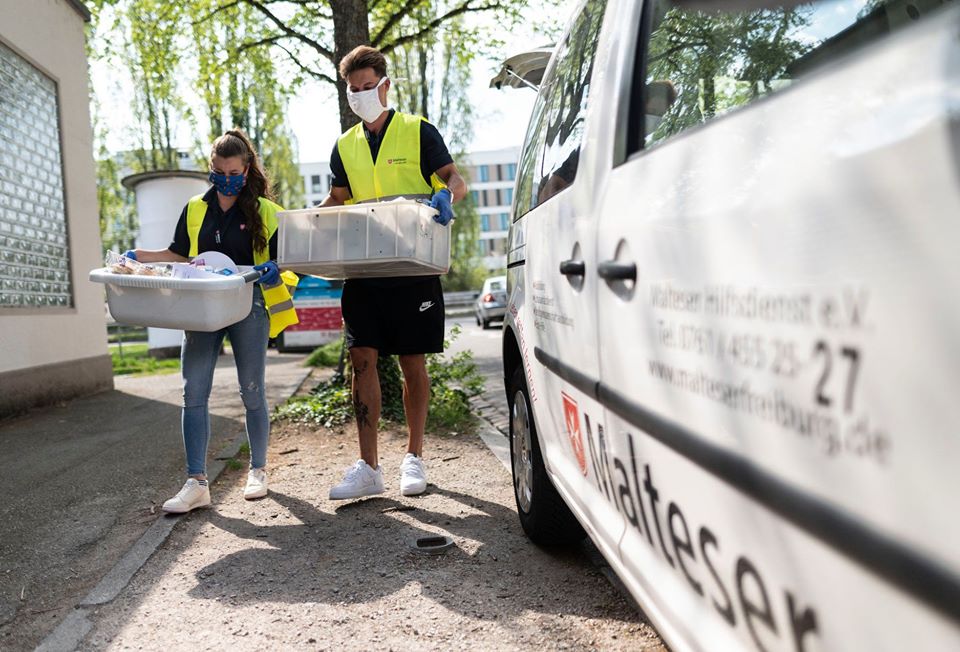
(732, 346)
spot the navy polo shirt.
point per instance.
(433, 152)
(223, 232)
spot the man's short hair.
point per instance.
(363, 56)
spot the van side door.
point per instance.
(777, 248)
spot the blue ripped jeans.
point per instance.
(198, 358)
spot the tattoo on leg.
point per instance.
(361, 411)
(360, 369)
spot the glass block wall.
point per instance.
(34, 256)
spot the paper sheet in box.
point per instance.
(395, 238)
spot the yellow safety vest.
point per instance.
(397, 170)
(278, 298)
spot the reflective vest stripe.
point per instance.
(283, 305)
(397, 170)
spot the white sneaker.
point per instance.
(256, 484)
(192, 495)
(360, 480)
(413, 477)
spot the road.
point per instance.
(486, 348)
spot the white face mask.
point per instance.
(366, 104)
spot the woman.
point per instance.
(234, 217)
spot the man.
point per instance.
(389, 154)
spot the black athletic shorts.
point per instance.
(394, 319)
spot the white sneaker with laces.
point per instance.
(413, 477)
(256, 484)
(360, 480)
(191, 496)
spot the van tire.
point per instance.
(486, 324)
(544, 515)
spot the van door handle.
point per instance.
(573, 268)
(611, 270)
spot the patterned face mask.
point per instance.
(228, 185)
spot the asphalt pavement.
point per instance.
(83, 481)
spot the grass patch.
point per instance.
(452, 382)
(327, 355)
(134, 359)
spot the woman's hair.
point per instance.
(236, 143)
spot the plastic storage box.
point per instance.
(395, 238)
(191, 304)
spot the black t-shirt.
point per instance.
(223, 232)
(433, 152)
(433, 156)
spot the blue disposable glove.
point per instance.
(269, 273)
(441, 201)
(131, 254)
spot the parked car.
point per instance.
(492, 301)
(731, 342)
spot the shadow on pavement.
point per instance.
(361, 553)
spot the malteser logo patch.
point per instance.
(396, 161)
(572, 417)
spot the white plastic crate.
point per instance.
(394, 238)
(192, 304)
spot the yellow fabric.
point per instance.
(197, 210)
(279, 300)
(274, 296)
(397, 170)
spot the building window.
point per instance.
(484, 173)
(315, 185)
(329, 181)
(34, 256)
(484, 222)
(504, 221)
(509, 196)
(499, 197)
(511, 171)
(476, 197)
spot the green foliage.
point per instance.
(466, 266)
(329, 405)
(717, 61)
(452, 382)
(130, 359)
(327, 355)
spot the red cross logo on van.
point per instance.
(571, 415)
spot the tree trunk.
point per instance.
(424, 83)
(351, 27)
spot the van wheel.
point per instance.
(543, 515)
(486, 324)
(478, 319)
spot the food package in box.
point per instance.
(381, 239)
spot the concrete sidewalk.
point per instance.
(83, 481)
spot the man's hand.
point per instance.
(441, 201)
(269, 273)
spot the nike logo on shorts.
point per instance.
(426, 305)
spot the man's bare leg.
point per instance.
(416, 398)
(366, 401)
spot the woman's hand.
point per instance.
(269, 273)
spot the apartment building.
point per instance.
(491, 174)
